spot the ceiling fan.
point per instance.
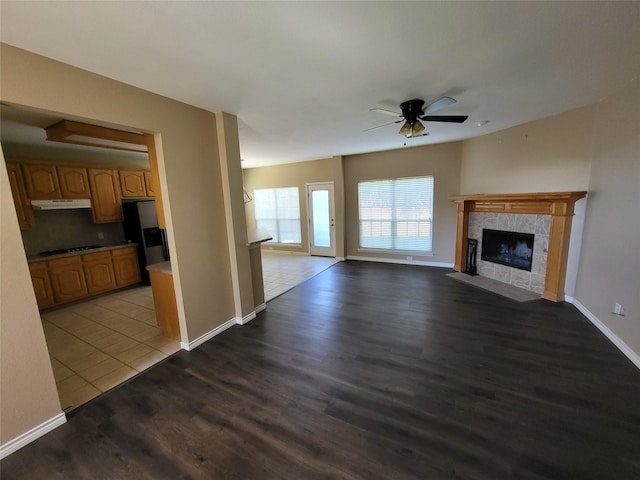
(412, 111)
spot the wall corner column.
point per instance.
(229, 149)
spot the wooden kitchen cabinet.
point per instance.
(149, 183)
(73, 277)
(106, 198)
(74, 182)
(133, 183)
(125, 265)
(41, 181)
(41, 284)
(67, 279)
(98, 272)
(154, 177)
(23, 208)
(164, 299)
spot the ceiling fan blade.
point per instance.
(439, 104)
(387, 112)
(383, 125)
(444, 118)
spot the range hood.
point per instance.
(61, 204)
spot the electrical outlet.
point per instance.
(618, 309)
(100, 235)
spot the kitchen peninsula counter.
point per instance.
(162, 267)
(164, 299)
(255, 237)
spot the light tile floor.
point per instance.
(98, 344)
(282, 272)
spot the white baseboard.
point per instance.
(400, 261)
(209, 335)
(246, 318)
(261, 307)
(617, 341)
(33, 434)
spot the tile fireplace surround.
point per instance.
(514, 222)
(547, 215)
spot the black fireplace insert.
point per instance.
(512, 249)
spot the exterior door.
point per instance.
(322, 230)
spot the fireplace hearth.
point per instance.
(513, 249)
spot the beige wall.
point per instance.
(192, 192)
(298, 175)
(28, 395)
(595, 148)
(610, 259)
(442, 161)
(549, 155)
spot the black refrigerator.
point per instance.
(141, 227)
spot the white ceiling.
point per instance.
(302, 76)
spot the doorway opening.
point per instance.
(99, 323)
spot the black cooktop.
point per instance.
(47, 253)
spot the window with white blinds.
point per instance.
(396, 215)
(278, 212)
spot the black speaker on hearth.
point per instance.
(472, 251)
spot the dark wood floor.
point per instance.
(368, 371)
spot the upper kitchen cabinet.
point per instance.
(41, 182)
(74, 182)
(133, 183)
(149, 183)
(105, 195)
(23, 209)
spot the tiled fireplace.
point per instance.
(524, 223)
(546, 215)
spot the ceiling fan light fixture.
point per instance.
(417, 129)
(406, 129)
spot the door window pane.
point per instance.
(321, 218)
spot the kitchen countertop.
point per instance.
(43, 258)
(162, 267)
(255, 236)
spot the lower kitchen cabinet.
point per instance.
(41, 284)
(74, 277)
(98, 272)
(67, 279)
(126, 267)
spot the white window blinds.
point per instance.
(396, 215)
(278, 212)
